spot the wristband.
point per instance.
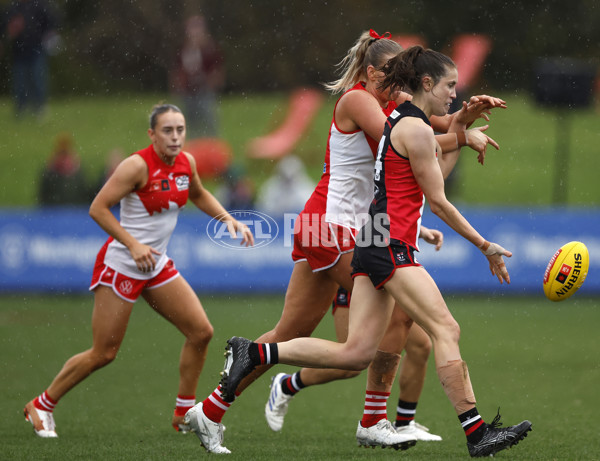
(484, 246)
(461, 139)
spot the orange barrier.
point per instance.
(213, 156)
(304, 104)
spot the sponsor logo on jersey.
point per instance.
(182, 182)
(164, 185)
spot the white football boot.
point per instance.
(209, 432)
(419, 431)
(383, 435)
(277, 405)
(42, 421)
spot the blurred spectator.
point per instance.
(113, 158)
(30, 31)
(237, 191)
(62, 180)
(198, 76)
(287, 190)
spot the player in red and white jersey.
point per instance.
(325, 230)
(152, 186)
(385, 271)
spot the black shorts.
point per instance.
(342, 299)
(380, 263)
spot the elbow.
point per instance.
(436, 207)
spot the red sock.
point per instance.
(375, 408)
(214, 406)
(45, 403)
(184, 403)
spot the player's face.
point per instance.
(168, 136)
(444, 92)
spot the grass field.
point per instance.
(535, 359)
(522, 173)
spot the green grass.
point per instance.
(520, 174)
(535, 359)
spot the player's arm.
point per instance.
(432, 236)
(207, 202)
(420, 145)
(359, 110)
(131, 174)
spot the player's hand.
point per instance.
(433, 237)
(234, 226)
(494, 253)
(478, 107)
(478, 141)
(143, 255)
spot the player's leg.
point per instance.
(178, 303)
(307, 299)
(109, 323)
(415, 290)
(411, 381)
(285, 386)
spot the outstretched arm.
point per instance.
(207, 202)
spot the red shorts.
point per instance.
(320, 243)
(126, 287)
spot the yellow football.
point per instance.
(566, 271)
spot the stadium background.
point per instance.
(113, 67)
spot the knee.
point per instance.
(357, 359)
(451, 331)
(201, 337)
(104, 357)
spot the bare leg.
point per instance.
(370, 312)
(414, 364)
(109, 323)
(307, 300)
(177, 302)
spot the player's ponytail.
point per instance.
(371, 49)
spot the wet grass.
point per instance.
(534, 359)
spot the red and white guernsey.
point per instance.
(345, 189)
(150, 213)
(399, 201)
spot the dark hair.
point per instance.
(406, 70)
(160, 109)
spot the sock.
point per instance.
(183, 404)
(214, 406)
(292, 384)
(263, 353)
(45, 403)
(405, 412)
(472, 424)
(375, 408)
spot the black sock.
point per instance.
(472, 424)
(263, 353)
(405, 413)
(292, 384)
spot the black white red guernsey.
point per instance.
(398, 203)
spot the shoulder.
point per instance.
(190, 159)
(413, 133)
(357, 102)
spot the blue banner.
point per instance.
(53, 250)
